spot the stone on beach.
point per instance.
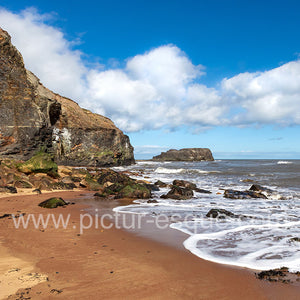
(53, 203)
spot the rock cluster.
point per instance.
(34, 118)
(41, 173)
(187, 154)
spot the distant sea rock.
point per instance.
(187, 154)
(34, 118)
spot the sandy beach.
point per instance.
(110, 263)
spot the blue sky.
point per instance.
(173, 74)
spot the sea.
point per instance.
(267, 233)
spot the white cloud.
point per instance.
(267, 97)
(159, 88)
(46, 52)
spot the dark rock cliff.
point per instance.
(34, 118)
(187, 154)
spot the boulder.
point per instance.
(259, 188)
(134, 191)
(190, 185)
(41, 162)
(186, 154)
(160, 184)
(178, 193)
(63, 186)
(234, 194)
(152, 201)
(185, 183)
(90, 183)
(108, 175)
(53, 203)
(220, 213)
(22, 184)
(8, 189)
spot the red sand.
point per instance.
(114, 264)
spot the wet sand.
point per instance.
(112, 263)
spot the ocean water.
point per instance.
(264, 238)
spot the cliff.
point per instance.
(187, 154)
(34, 118)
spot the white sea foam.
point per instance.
(283, 162)
(181, 170)
(259, 247)
(169, 171)
(263, 241)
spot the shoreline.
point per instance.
(127, 264)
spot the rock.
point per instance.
(202, 191)
(152, 201)
(134, 191)
(233, 194)
(160, 184)
(131, 189)
(294, 239)
(220, 213)
(67, 179)
(5, 216)
(43, 183)
(33, 118)
(91, 184)
(274, 275)
(178, 193)
(8, 189)
(190, 185)
(53, 203)
(65, 170)
(185, 183)
(63, 186)
(41, 162)
(152, 187)
(108, 175)
(99, 195)
(10, 178)
(187, 154)
(259, 188)
(38, 191)
(22, 184)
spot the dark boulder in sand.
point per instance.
(234, 194)
(53, 203)
(178, 193)
(186, 154)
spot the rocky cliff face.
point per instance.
(187, 154)
(34, 118)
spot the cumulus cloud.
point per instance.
(270, 97)
(157, 89)
(46, 52)
(154, 90)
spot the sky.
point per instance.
(173, 74)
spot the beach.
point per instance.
(112, 263)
